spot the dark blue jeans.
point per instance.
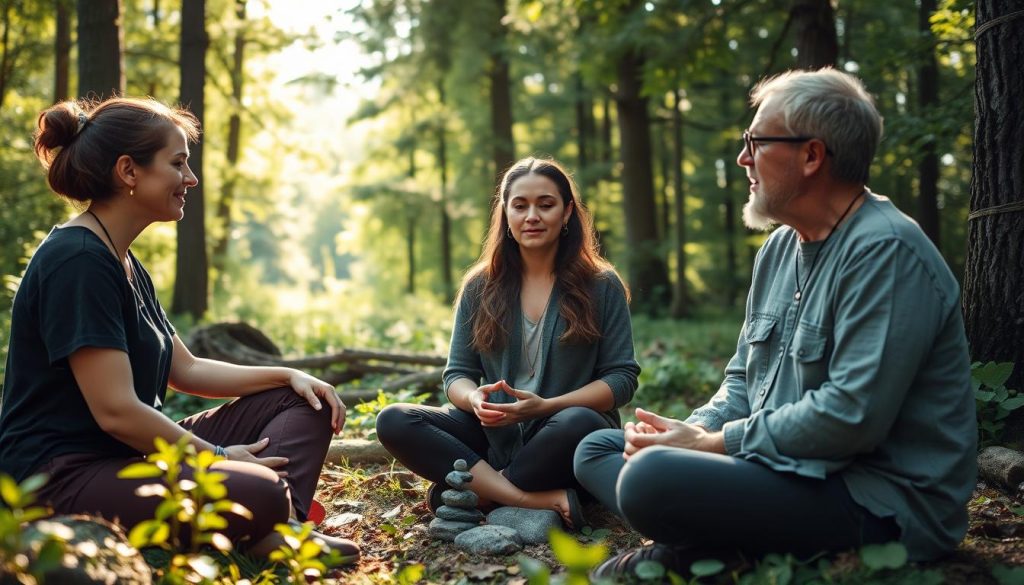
(722, 503)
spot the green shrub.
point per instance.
(26, 561)
(993, 399)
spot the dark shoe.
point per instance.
(575, 510)
(348, 550)
(623, 565)
(434, 500)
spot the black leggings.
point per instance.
(718, 502)
(428, 439)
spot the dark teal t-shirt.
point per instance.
(75, 294)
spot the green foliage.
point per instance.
(577, 558)
(993, 399)
(302, 555)
(1008, 575)
(197, 504)
(366, 412)
(682, 361)
(25, 561)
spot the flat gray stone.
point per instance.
(458, 479)
(460, 499)
(461, 465)
(442, 529)
(532, 525)
(490, 540)
(460, 514)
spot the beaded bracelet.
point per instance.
(219, 451)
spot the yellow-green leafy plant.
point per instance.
(302, 556)
(25, 561)
(197, 504)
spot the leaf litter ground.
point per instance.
(383, 508)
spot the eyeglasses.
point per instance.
(749, 140)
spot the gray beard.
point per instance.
(754, 219)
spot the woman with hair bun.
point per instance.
(541, 354)
(92, 353)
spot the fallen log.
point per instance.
(1002, 468)
(239, 343)
(357, 452)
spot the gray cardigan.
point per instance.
(565, 367)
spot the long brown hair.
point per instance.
(496, 278)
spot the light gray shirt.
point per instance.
(867, 376)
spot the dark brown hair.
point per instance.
(500, 267)
(79, 142)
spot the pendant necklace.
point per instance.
(814, 261)
(117, 255)
(533, 340)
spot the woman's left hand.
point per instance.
(316, 391)
(527, 406)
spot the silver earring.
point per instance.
(508, 231)
(565, 230)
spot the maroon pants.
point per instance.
(88, 483)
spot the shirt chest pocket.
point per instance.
(809, 351)
(758, 335)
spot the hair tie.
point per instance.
(82, 121)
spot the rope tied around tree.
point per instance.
(996, 21)
(996, 209)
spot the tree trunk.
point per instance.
(584, 107)
(62, 52)
(815, 28)
(501, 96)
(191, 281)
(648, 278)
(606, 133)
(100, 48)
(927, 99)
(680, 290)
(732, 288)
(993, 296)
(442, 161)
(227, 199)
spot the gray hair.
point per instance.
(832, 106)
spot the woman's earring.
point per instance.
(131, 192)
(565, 229)
(508, 231)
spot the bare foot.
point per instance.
(561, 505)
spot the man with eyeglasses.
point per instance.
(846, 416)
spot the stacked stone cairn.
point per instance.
(459, 512)
(507, 528)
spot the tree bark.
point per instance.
(501, 95)
(814, 24)
(442, 162)
(62, 52)
(584, 108)
(227, 198)
(993, 296)
(928, 98)
(648, 277)
(191, 281)
(100, 48)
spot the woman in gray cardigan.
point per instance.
(541, 354)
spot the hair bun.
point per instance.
(58, 126)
